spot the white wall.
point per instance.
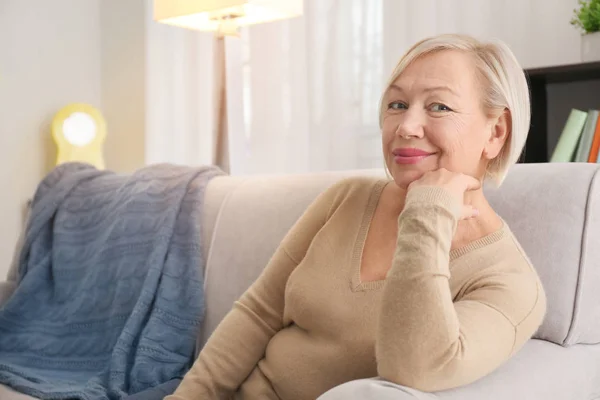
(537, 31)
(49, 57)
(123, 78)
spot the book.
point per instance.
(569, 137)
(595, 144)
(587, 136)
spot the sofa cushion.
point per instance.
(7, 393)
(554, 211)
(559, 374)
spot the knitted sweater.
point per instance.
(442, 318)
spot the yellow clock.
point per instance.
(79, 131)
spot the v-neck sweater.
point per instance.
(441, 318)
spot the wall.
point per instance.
(49, 57)
(537, 31)
(123, 77)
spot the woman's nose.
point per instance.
(410, 125)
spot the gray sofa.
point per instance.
(554, 209)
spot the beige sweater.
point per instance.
(440, 319)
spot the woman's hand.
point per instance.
(454, 183)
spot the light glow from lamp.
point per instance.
(223, 15)
(79, 129)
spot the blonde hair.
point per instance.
(505, 87)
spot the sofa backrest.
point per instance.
(552, 209)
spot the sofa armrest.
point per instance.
(540, 371)
(6, 290)
(374, 389)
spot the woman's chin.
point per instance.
(405, 178)
(404, 173)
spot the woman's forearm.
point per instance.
(425, 340)
(418, 324)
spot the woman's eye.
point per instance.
(440, 107)
(397, 106)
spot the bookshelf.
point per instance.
(542, 82)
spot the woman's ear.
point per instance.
(499, 133)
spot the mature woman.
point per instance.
(415, 278)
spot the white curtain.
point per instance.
(179, 94)
(302, 93)
(310, 89)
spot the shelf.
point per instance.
(566, 73)
(536, 148)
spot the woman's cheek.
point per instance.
(388, 126)
(388, 133)
(448, 134)
(438, 133)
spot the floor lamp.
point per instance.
(223, 17)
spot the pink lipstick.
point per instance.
(409, 155)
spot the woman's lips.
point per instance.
(409, 160)
(409, 155)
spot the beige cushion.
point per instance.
(7, 393)
(539, 371)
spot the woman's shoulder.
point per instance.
(499, 254)
(349, 187)
(494, 249)
(354, 189)
(504, 263)
(512, 253)
(357, 183)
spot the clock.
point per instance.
(79, 131)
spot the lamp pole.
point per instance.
(220, 136)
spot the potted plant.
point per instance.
(587, 18)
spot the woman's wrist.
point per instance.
(433, 196)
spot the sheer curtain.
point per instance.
(307, 91)
(178, 94)
(302, 94)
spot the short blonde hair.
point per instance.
(504, 83)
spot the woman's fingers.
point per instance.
(469, 212)
(471, 183)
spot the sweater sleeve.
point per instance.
(240, 340)
(425, 339)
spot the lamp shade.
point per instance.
(223, 15)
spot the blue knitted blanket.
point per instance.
(110, 289)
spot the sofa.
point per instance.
(553, 209)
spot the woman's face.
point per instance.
(433, 117)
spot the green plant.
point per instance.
(587, 18)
